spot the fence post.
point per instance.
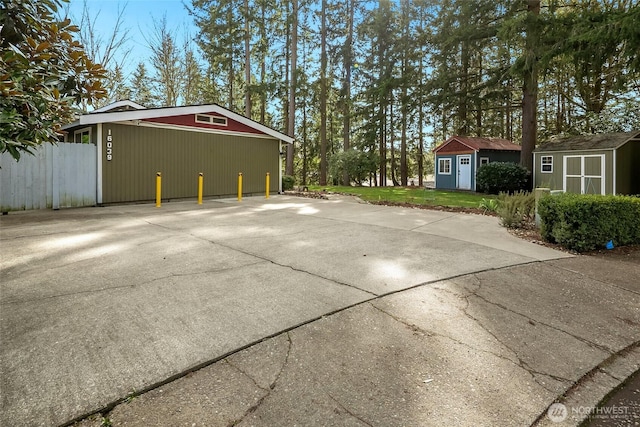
(158, 189)
(200, 184)
(239, 186)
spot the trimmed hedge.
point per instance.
(588, 222)
(501, 177)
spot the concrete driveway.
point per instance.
(98, 303)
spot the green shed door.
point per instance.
(584, 174)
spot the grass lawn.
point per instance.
(412, 195)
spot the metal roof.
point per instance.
(605, 141)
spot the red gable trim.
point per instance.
(476, 143)
(189, 120)
(452, 145)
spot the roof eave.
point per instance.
(448, 141)
(120, 116)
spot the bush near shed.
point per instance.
(287, 182)
(588, 222)
(500, 177)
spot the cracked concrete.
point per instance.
(418, 358)
(377, 316)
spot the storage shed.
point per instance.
(589, 164)
(134, 143)
(459, 157)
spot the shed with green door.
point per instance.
(590, 164)
(135, 143)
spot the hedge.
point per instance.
(500, 177)
(588, 222)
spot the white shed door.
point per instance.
(464, 172)
(584, 174)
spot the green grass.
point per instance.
(412, 195)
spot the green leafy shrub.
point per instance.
(499, 177)
(489, 205)
(356, 163)
(287, 182)
(516, 209)
(588, 222)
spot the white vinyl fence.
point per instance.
(57, 176)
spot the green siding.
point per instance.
(554, 180)
(627, 175)
(139, 152)
(634, 174)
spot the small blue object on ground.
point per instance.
(609, 244)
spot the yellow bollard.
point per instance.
(267, 192)
(200, 184)
(240, 186)
(158, 189)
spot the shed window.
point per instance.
(444, 166)
(82, 136)
(546, 164)
(211, 120)
(484, 161)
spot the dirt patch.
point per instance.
(307, 194)
(457, 209)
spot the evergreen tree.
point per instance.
(142, 87)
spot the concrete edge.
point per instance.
(586, 391)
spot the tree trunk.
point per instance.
(230, 23)
(421, 113)
(263, 66)
(348, 64)
(404, 170)
(383, 147)
(247, 61)
(304, 139)
(323, 95)
(463, 128)
(292, 84)
(530, 87)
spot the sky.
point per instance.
(138, 22)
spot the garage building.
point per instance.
(134, 143)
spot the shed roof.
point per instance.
(477, 143)
(108, 115)
(604, 141)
